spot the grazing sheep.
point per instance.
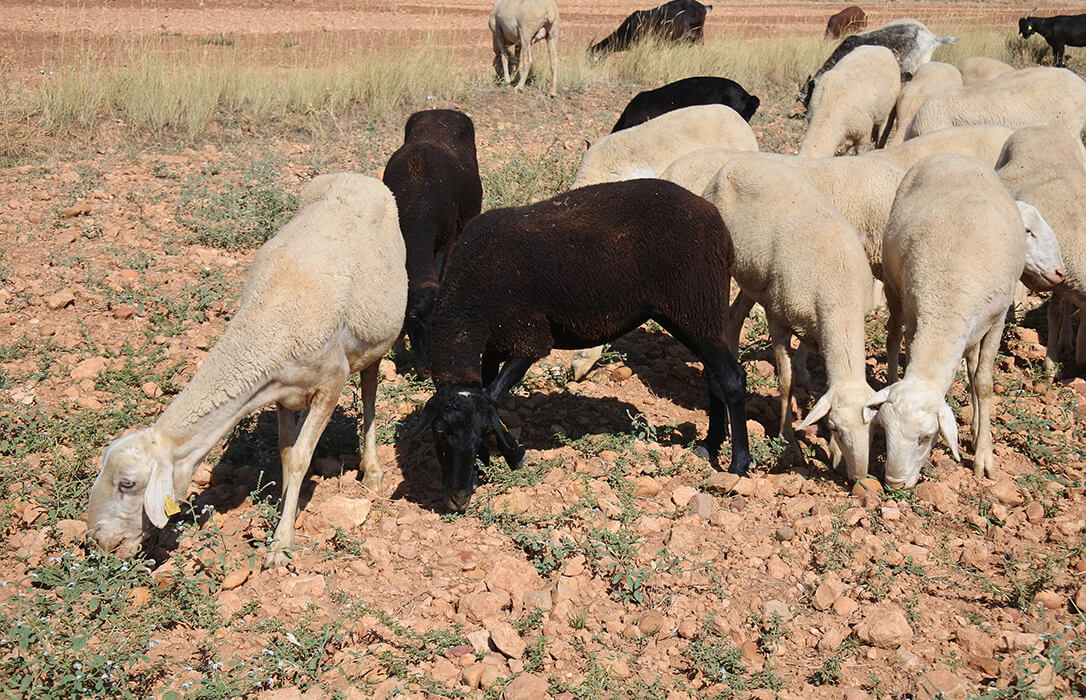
(646, 149)
(910, 41)
(512, 292)
(951, 214)
(1041, 165)
(927, 79)
(1058, 31)
(521, 23)
(678, 20)
(803, 262)
(699, 90)
(981, 141)
(980, 69)
(850, 20)
(435, 179)
(324, 298)
(1027, 97)
(862, 189)
(852, 103)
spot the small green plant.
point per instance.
(829, 673)
(831, 551)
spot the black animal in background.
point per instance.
(517, 286)
(850, 20)
(435, 179)
(1058, 31)
(700, 90)
(678, 20)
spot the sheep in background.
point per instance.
(521, 23)
(980, 69)
(850, 20)
(951, 213)
(1041, 165)
(927, 79)
(983, 141)
(852, 103)
(910, 41)
(1027, 97)
(699, 90)
(646, 149)
(435, 179)
(677, 20)
(512, 292)
(803, 262)
(324, 298)
(1059, 31)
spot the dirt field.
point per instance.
(616, 564)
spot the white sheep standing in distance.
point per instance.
(1041, 165)
(951, 214)
(324, 298)
(803, 262)
(1028, 97)
(927, 79)
(521, 23)
(983, 141)
(979, 69)
(646, 149)
(852, 102)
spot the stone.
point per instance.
(512, 576)
(937, 495)
(472, 676)
(479, 640)
(1006, 492)
(651, 622)
(236, 577)
(123, 312)
(777, 608)
(828, 591)
(88, 368)
(722, 482)
(61, 299)
(506, 639)
(884, 627)
(526, 686)
(682, 495)
(867, 485)
(620, 374)
(784, 534)
(345, 512)
(444, 671)
(151, 390)
(974, 642)
(940, 683)
(71, 531)
(140, 596)
(1080, 598)
(480, 606)
(1035, 512)
(1050, 599)
(645, 487)
(702, 504)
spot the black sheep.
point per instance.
(435, 179)
(678, 20)
(700, 90)
(1058, 31)
(515, 288)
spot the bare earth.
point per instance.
(635, 551)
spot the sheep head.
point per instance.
(135, 481)
(1044, 261)
(461, 419)
(912, 414)
(843, 408)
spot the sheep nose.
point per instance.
(1059, 273)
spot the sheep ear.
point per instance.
(429, 413)
(871, 408)
(948, 427)
(159, 495)
(821, 408)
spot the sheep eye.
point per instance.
(126, 485)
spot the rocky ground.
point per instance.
(615, 564)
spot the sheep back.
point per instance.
(646, 149)
(927, 79)
(983, 141)
(979, 69)
(518, 283)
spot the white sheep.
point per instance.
(646, 149)
(802, 261)
(980, 69)
(927, 79)
(521, 23)
(951, 214)
(982, 141)
(1028, 97)
(852, 102)
(1041, 165)
(324, 299)
(862, 189)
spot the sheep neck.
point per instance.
(933, 358)
(844, 354)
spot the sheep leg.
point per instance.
(893, 338)
(371, 468)
(1080, 338)
(321, 405)
(525, 59)
(738, 313)
(799, 364)
(780, 336)
(980, 383)
(552, 54)
(727, 404)
(501, 54)
(511, 372)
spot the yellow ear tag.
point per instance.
(503, 425)
(171, 507)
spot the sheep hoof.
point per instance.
(275, 560)
(984, 465)
(372, 482)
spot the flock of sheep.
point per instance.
(983, 191)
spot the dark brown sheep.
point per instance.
(435, 179)
(512, 292)
(850, 20)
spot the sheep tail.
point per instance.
(940, 40)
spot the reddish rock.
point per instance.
(481, 606)
(347, 513)
(682, 495)
(645, 487)
(828, 591)
(651, 622)
(1006, 492)
(867, 485)
(1049, 599)
(59, 300)
(974, 642)
(123, 312)
(89, 368)
(506, 639)
(941, 683)
(884, 627)
(526, 686)
(702, 504)
(722, 482)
